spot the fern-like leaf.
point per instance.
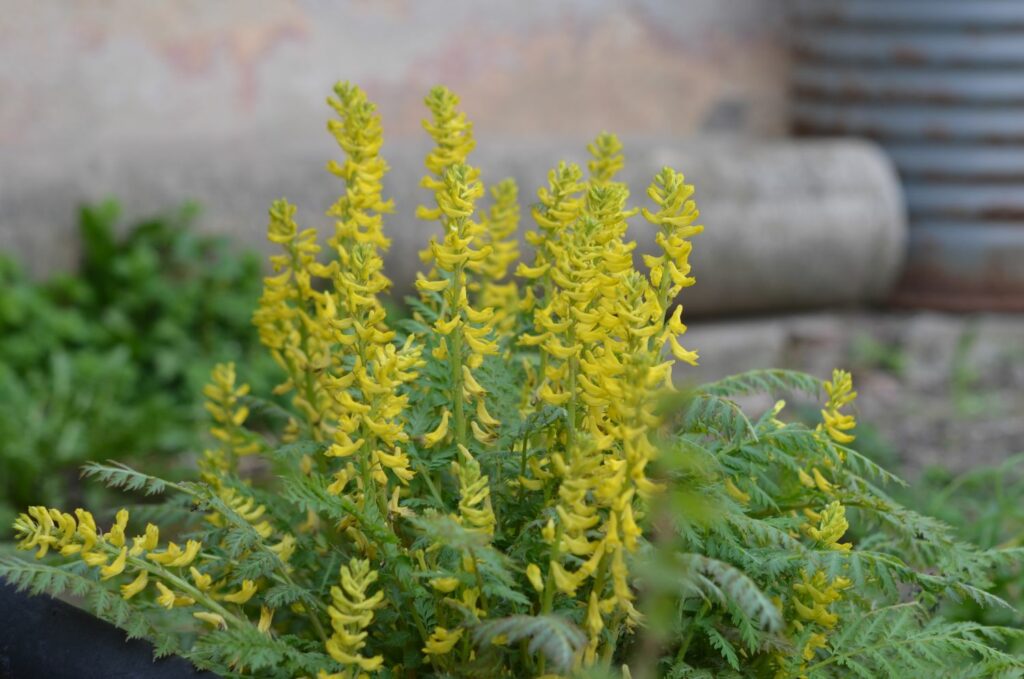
(764, 382)
(557, 638)
(729, 585)
(117, 475)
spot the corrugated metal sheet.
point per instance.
(940, 84)
(911, 13)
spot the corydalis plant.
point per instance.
(498, 485)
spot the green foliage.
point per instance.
(504, 489)
(110, 360)
(984, 507)
(552, 635)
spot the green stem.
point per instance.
(573, 401)
(685, 646)
(310, 387)
(425, 475)
(457, 360)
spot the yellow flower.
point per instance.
(135, 586)
(116, 567)
(431, 439)
(442, 641)
(146, 542)
(266, 619)
(214, 619)
(445, 585)
(94, 559)
(244, 593)
(116, 534)
(174, 556)
(201, 580)
(169, 600)
(735, 493)
(534, 576)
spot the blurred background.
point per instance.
(859, 166)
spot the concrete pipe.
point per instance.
(788, 224)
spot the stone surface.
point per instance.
(931, 343)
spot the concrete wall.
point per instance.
(96, 95)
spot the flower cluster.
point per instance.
(815, 593)
(172, 570)
(351, 613)
(477, 489)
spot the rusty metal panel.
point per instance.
(887, 48)
(934, 85)
(975, 162)
(940, 85)
(887, 120)
(912, 13)
(965, 265)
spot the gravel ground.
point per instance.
(934, 388)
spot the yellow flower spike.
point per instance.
(244, 593)
(35, 531)
(831, 527)
(351, 612)
(116, 567)
(475, 512)
(213, 619)
(135, 586)
(442, 641)
(431, 439)
(607, 158)
(840, 394)
(451, 131)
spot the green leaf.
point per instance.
(556, 637)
